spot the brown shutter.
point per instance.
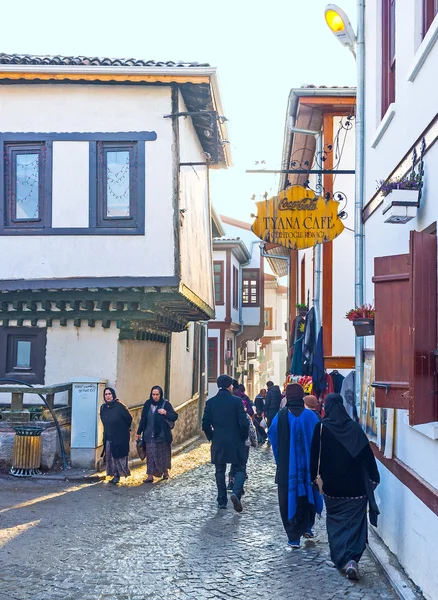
(423, 342)
(392, 296)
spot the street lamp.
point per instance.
(340, 26)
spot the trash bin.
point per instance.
(27, 451)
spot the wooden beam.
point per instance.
(105, 77)
(327, 247)
(339, 362)
(333, 100)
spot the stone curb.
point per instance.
(90, 476)
(400, 582)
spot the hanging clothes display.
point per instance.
(318, 373)
(309, 342)
(348, 395)
(297, 358)
(337, 379)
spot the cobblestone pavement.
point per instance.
(166, 541)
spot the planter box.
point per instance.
(400, 206)
(363, 327)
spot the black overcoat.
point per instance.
(226, 425)
(116, 420)
(162, 431)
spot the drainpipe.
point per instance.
(359, 189)
(318, 252)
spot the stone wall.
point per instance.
(188, 424)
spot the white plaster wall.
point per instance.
(271, 302)
(88, 108)
(406, 525)
(235, 317)
(195, 232)
(251, 316)
(212, 387)
(415, 104)
(181, 368)
(251, 242)
(71, 185)
(410, 530)
(220, 310)
(73, 352)
(140, 365)
(343, 254)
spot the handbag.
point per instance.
(141, 449)
(318, 479)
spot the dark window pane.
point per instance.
(117, 185)
(23, 354)
(26, 181)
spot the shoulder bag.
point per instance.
(318, 479)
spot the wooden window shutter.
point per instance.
(423, 331)
(392, 296)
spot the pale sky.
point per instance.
(261, 50)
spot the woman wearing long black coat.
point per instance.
(116, 420)
(349, 474)
(157, 420)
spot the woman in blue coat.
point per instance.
(291, 434)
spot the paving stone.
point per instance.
(167, 541)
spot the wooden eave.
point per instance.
(162, 311)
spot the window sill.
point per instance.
(46, 231)
(430, 430)
(384, 124)
(424, 49)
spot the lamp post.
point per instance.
(340, 26)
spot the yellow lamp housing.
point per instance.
(339, 24)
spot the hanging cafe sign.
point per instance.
(297, 219)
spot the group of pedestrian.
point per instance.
(319, 461)
(153, 434)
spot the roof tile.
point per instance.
(59, 60)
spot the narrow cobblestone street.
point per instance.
(167, 541)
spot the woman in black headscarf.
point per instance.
(157, 420)
(290, 434)
(349, 474)
(116, 420)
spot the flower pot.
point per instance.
(363, 327)
(400, 206)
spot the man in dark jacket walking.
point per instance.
(272, 402)
(226, 425)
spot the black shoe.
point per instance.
(221, 505)
(352, 570)
(236, 503)
(115, 480)
(230, 486)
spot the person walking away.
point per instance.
(349, 476)
(116, 420)
(245, 399)
(251, 440)
(259, 402)
(226, 425)
(157, 420)
(311, 403)
(272, 402)
(259, 421)
(291, 436)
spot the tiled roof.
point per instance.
(90, 61)
(311, 86)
